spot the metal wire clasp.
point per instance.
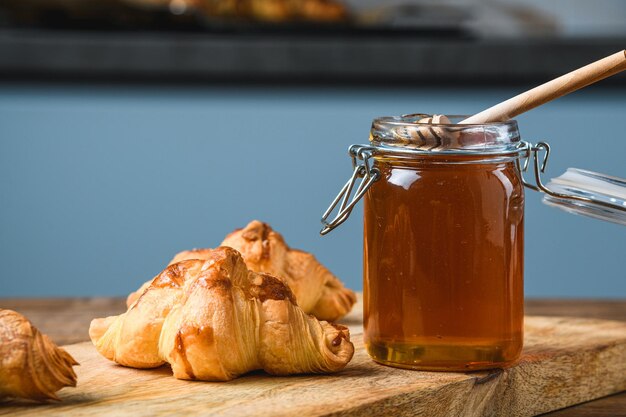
(534, 151)
(364, 170)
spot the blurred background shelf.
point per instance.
(330, 41)
(301, 57)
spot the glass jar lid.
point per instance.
(600, 196)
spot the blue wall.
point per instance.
(100, 186)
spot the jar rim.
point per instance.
(405, 132)
(411, 118)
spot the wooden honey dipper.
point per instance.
(535, 97)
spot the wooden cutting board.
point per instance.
(565, 361)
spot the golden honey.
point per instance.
(443, 262)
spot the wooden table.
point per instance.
(66, 321)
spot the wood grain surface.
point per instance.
(566, 361)
(66, 320)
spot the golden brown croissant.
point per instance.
(214, 320)
(317, 290)
(31, 365)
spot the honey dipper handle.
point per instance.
(556, 88)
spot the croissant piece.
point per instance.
(31, 365)
(214, 319)
(317, 290)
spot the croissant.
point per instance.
(317, 290)
(31, 365)
(214, 320)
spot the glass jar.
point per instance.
(444, 246)
(443, 249)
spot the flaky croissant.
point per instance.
(317, 290)
(31, 365)
(214, 320)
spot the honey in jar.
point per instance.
(444, 246)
